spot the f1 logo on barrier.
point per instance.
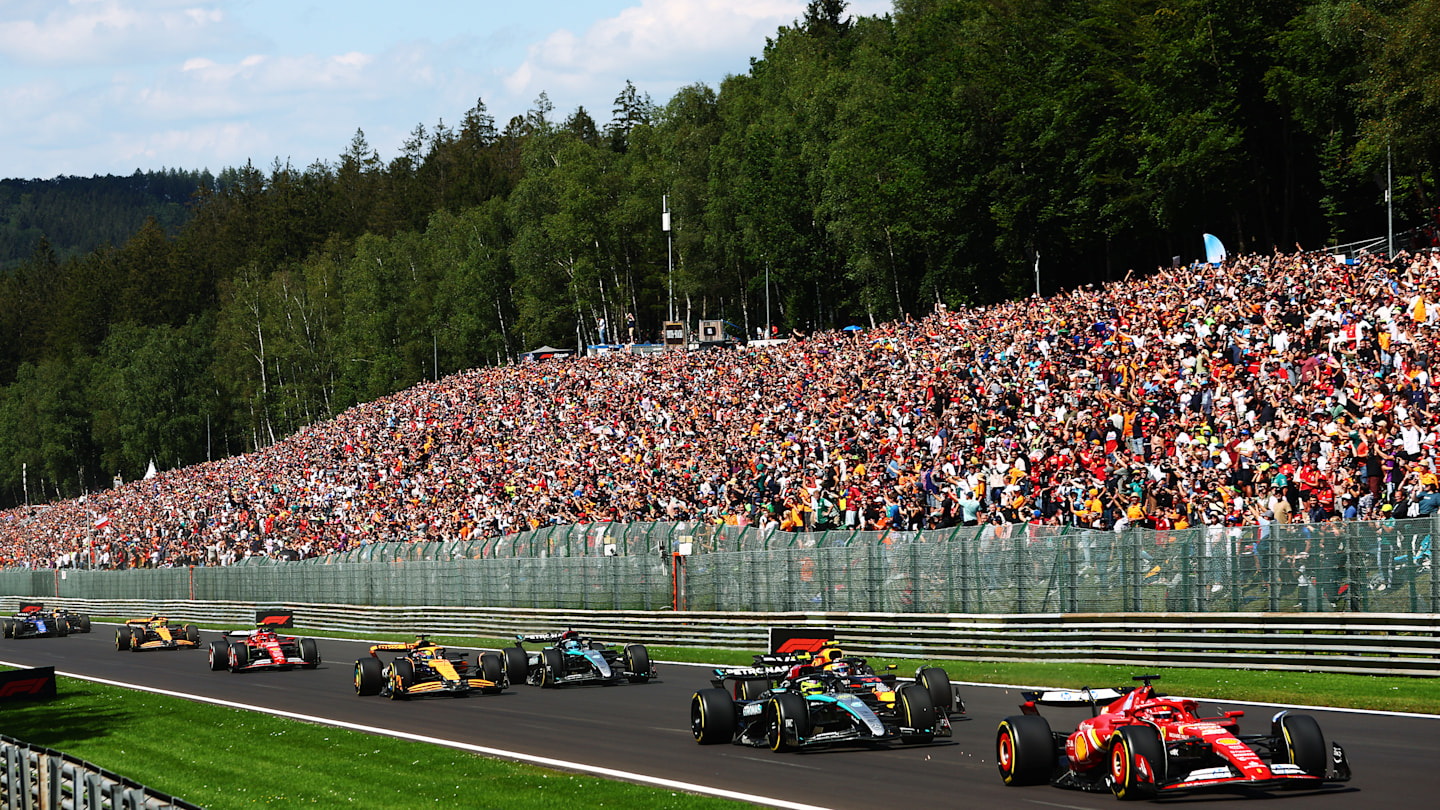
(800, 639)
(274, 618)
(28, 684)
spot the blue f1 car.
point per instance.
(573, 658)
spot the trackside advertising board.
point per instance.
(800, 639)
(27, 684)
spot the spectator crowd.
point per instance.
(1266, 389)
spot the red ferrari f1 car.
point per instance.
(263, 648)
(1139, 744)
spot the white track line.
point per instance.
(560, 764)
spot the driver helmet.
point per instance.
(811, 686)
(840, 669)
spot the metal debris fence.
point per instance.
(36, 778)
(993, 569)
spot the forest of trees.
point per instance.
(869, 167)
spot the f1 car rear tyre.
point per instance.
(84, 622)
(192, 633)
(402, 677)
(789, 719)
(309, 653)
(712, 717)
(492, 669)
(1300, 742)
(9, 628)
(552, 666)
(637, 660)
(122, 639)
(62, 628)
(369, 677)
(239, 656)
(219, 655)
(751, 688)
(937, 682)
(517, 665)
(137, 637)
(1129, 777)
(915, 709)
(1025, 750)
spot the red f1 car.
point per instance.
(1139, 744)
(263, 648)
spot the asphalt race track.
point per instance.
(645, 729)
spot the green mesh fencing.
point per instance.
(1016, 568)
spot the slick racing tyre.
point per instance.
(122, 639)
(517, 665)
(937, 682)
(137, 638)
(9, 628)
(712, 717)
(62, 629)
(239, 656)
(1300, 742)
(493, 670)
(1137, 762)
(637, 662)
(192, 633)
(1025, 750)
(552, 666)
(309, 653)
(789, 719)
(369, 677)
(84, 622)
(402, 677)
(914, 709)
(219, 655)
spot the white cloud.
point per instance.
(661, 45)
(81, 33)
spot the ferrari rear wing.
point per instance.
(1072, 697)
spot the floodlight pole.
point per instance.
(669, 258)
(1389, 205)
(767, 299)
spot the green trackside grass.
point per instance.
(227, 758)
(1269, 686)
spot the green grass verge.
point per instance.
(227, 758)
(1270, 686)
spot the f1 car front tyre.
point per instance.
(552, 666)
(492, 669)
(122, 639)
(789, 719)
(517, 665)
(1025, 750)
(712, 717)
(915, 709)
(239, 656)
(137, 638)
(937, 682)
(309, 653)
(1137, 762)
(192, 633)
(1299, 741)
(369, 677)
(9, 628)
(402, 677)
(219, 655)
(637, 662)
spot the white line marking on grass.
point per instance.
(560, 764)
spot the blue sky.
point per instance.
(111, 86)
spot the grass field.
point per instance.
(227, 758)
